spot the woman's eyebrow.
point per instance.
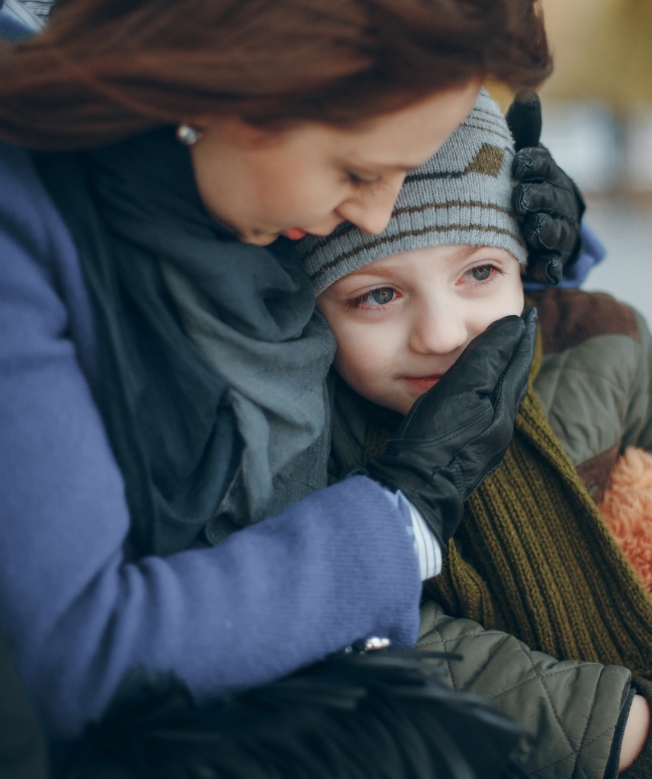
(402, 167)
(383, 167)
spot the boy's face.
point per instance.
(402, 321)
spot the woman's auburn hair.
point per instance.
(107, 69)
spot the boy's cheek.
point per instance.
(368, 369)
(353, 366)
(509, 301)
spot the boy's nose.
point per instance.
(438, 329)
(371, 211)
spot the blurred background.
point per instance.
(597, 122)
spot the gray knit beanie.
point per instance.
(462, 195)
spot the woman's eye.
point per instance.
(482, 272)
(360, 181)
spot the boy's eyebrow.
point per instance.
(465, 252)
(462, 254)
(369, 270)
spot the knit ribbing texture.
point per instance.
(545, 566)
(461, 195)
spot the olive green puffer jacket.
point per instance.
(595, 387)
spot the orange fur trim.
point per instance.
(627, 509)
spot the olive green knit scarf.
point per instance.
(545, 567)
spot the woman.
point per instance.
(163, 375)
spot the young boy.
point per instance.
(533, 556)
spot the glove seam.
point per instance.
(444, 437)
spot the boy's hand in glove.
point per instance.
(548, 202)
(457, 433)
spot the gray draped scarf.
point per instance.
(213, 361)
(279, 397)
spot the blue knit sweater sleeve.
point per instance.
(336, 567)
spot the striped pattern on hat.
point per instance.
(462, 195)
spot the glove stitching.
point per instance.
(443, 437)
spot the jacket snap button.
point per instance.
(372, 644)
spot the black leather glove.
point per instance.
(546, 200)
(456, 434)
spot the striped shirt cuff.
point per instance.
(426, 546)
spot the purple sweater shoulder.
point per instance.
(333, 568)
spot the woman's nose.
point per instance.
(438, 329)
(371, 211)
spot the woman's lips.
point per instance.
(296, 233)
(423, 383)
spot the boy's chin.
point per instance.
(413, 389)
(400, 402)
(404, 403)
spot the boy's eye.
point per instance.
(379, 296)
(482, 272)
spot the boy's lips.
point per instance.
(423, 382)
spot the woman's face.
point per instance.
(261, 184)
(401, 322)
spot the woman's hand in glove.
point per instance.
(546, 199)
(457, 433)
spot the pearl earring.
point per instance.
(188, 134)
